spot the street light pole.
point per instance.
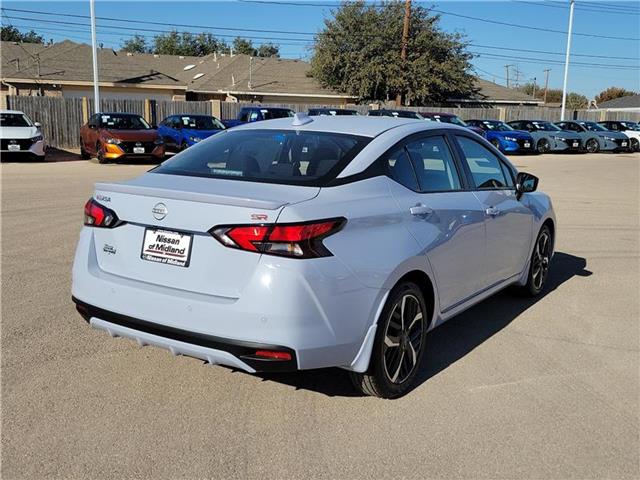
(566, 61)
(94, 48)
(405, 39)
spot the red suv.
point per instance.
(115, 136)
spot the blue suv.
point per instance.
(181, 131)
(504, 137)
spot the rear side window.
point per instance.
(486, 168)
(272, 156)
(400, 169)
(434, 165)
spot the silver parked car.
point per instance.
(303, 243)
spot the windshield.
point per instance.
(272, 156)
(327, 111)
(201, 123)
(276, 113)
(14, 120)
(496, 126)
(631, 126)
(546, 126)
(593, 126)
(445, 119)
(123, 122)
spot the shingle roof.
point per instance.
(71, 61)
(219, 73)
(630, 101)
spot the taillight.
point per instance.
(96, 215)
(297, 240)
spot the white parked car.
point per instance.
(19, 135)
(312, 242)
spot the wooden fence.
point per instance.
(61, 118)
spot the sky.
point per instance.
(598, 61)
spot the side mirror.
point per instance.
(525, 183)
(37, 124)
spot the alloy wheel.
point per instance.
(592, 146)
(541, 258)
(403, 339)
(544, 146)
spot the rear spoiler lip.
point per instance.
(168, 193)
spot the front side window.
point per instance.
(434, 165)
(486, 168)
(14, 120)
(271, 156)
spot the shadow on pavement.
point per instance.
(450, 341)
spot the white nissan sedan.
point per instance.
(305, 242)
(21, 136)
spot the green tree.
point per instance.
(242, 46)
(10, 33)
(135, 44)
(185, 43)
(358, 52)
(613, 92)
(576, 101)
(268, 50)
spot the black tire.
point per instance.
(394, 365)
(83, 153)
(592, 146)
(540, 262)
(543, 146)
(634, 145)
(496, 143)
(100, 155)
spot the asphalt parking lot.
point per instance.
(512, 388)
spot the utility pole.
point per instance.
(507, 67)
(534, 87)
(250, 65)
(405, 40)
(94, 49)
(566, 60)
(546, 83)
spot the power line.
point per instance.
(585, 8)
(460, 15)
(557, 62)
(300, 40)
(549, 53)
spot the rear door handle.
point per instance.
(420, 210)
(492, 211)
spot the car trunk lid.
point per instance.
(154, 205)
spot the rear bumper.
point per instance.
(316, 310)
(215, 350)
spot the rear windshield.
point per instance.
(14, 120)
(272, 156)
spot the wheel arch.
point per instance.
(425, 284)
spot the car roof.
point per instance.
(364, 126)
